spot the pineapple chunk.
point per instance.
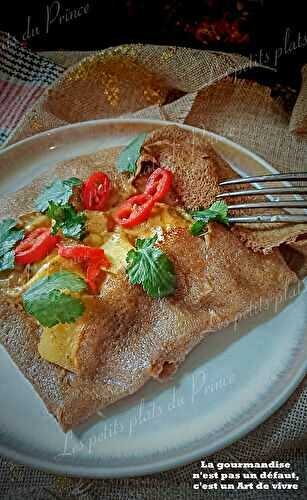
(116, 249)
(60, 343)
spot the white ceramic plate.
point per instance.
(227, 386)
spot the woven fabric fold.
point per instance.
(24, 77)
(129, 79)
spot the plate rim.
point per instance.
(162, 123)
(201, 451)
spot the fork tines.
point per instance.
(294, 176)
(298, 203)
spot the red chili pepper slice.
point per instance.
(36, 246)
(159, 183)
(94, 275)
(91, 258)
(135, 210)
(96, 191)
(82, 253)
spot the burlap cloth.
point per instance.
(207, 90)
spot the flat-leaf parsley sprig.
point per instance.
(217, 212)
(66, 218)
(128, 157)
(148, 266)
(58, 192)
(9, 236)
(50, 303)
(54, 201)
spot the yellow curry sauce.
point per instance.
(60, 343)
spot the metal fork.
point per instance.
(280, 190)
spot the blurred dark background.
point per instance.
(274, 32)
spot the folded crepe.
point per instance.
(199, 169)
(127, 337)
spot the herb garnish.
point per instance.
(150, 267)
(9, 235)
(66, 218)
(59, 192)
(217, 212)
(127, 159)
(47, 301)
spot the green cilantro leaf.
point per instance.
(197, 228)
(7, 261)
(217, 212)
(128, 157)
(59, 192)
(66, 218)
(148, 266)
(48, 301)
(9, 235)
